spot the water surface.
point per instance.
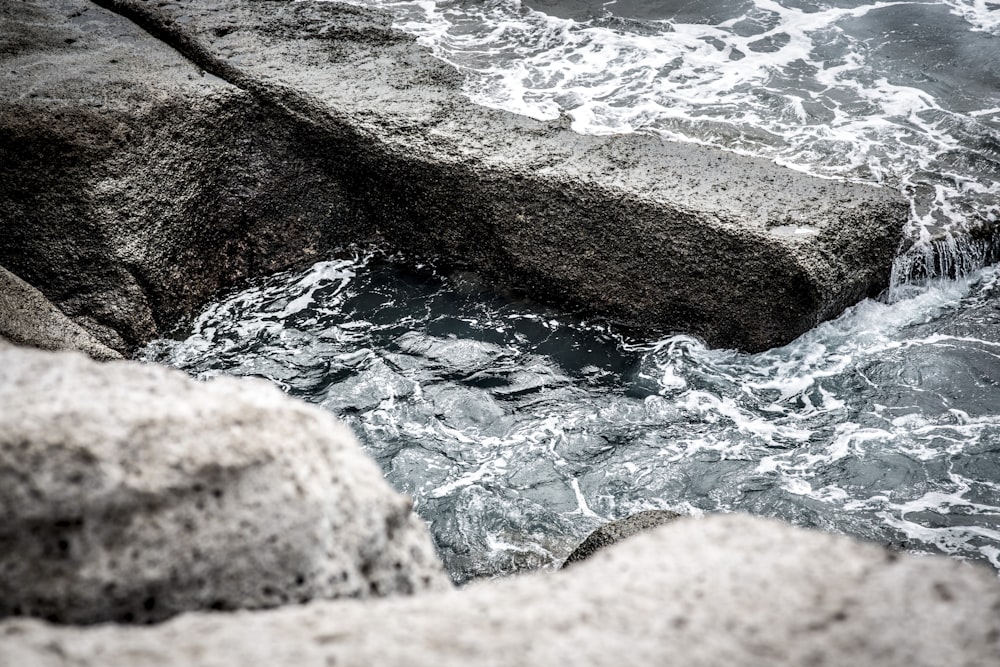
(518, 431)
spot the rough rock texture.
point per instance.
(28, 318)
(726, 590)
(131, 492)
(133, 184)
(140, 184)
(616, 531)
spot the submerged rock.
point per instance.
(616, 531)
(130, 492)
(725, 590)
(143, 179)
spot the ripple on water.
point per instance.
(517, 432)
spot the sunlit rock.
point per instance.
(130, 492)
(725, 590)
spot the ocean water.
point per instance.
(902, 94)
(517, 429)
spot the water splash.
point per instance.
(517, 431)
(901, 94)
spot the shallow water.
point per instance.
(517, 431)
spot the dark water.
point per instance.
(517, 431)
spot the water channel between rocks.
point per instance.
(518, 431)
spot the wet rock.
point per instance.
(136, 184)
(28, 318)
(725, 590)
(144, 182)
(130, 492)
(616, 531)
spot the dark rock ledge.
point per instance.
(144, 169)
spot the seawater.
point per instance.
(900, 94)
(517, 430)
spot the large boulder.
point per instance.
(135, 184)
(131, 492)
(725, 590)
(144, 171)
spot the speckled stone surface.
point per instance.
(724, 590)
(153, 166)
(131, 492)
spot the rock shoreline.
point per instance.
(726, 590)
(149, 170)
(141, 174)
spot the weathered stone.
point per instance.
(725, 590)
(28, 318)
(135, 184)
(132, 492)
(616, 531)
(143, 185)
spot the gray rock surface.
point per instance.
(132, 492)
(616, 531)
(28, 318)
(143, 183)
(135, 184)
(725, 590)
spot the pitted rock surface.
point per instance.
(724, 590)
(131, 492)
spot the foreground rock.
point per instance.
(141, 184)
(727, 590)
(28, 318)
(616, 531)
(131, 492)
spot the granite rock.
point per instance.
(153, 163)
(131, 492)
(723, 590)
(28, 318)
(616, 531)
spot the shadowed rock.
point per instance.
(144, 179)
(28, 318)
(131, 492)
(616, 531)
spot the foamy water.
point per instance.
(902, 94)
(517, 431)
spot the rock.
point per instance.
(131, 492)
(616, 531)
(725, 590)
(28, 318)
(136, 184)
(144, 182)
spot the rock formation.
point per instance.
(28, 318)
(144, 171)
(131, 492)
(724, 590)
(616, 531)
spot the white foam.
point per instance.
(813, 100)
